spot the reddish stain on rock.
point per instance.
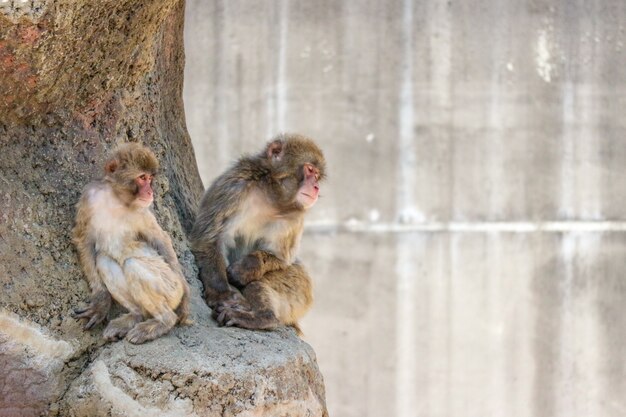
(31, 82)
(22, 71)
(7, 61)
(30, 34)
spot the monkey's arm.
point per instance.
(158, 239)
(217, 207)
(253, 266)
(162, 243)
(277, 254)
(100, 301)
(212, 268)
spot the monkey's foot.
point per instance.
(119, 327)
(96, 311)
(239, 305)
(225, 316)
(265, 320)
(150, 330)
(215, 299)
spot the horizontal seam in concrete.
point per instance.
(470, 227)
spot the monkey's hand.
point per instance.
(96, 311)
(215, 298)
(225, 307)
(260, 320)
(245, 270)
(225, 314)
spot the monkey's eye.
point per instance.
(310, 169)
(146, 177)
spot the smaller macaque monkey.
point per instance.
(247, 232)
(125, 254)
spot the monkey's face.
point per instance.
(144, 195)
(299, 165)
(309, 187)
(130, 171)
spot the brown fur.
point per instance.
(246, 235)
(126, 255)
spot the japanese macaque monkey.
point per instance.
(125, 254)
(247, 231)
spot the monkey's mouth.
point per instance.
(311, 198)
(144, 202)
(307, 200)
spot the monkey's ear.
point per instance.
(111, 166)
(275, 150)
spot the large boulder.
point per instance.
(78, 77)
(202, 371)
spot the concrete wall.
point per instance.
(469, 250)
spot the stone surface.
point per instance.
(469, 244)
(202, 370)
(32, 365)
(77, 78)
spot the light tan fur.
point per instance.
(291, 309)
(127, 256)
(258, 221)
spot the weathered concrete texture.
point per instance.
(491, 116)
(470, 324)
(77, 78)
(441, 106)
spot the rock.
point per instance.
(31, 364)
(79, 77)
(202, 370)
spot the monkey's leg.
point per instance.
(157, 290)
(167, 266)
(294, 293)
(212, 272)
(253, 267)
(119, 327)
(182, 311)
(281, 296)
(261, 315)
(115, 281)
(152, 328)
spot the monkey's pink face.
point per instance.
(310, 189)
(145, 195)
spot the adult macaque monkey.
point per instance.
(247, 231)
(124, 252)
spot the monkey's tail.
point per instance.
(182, 311)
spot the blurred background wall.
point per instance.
(469, 250)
